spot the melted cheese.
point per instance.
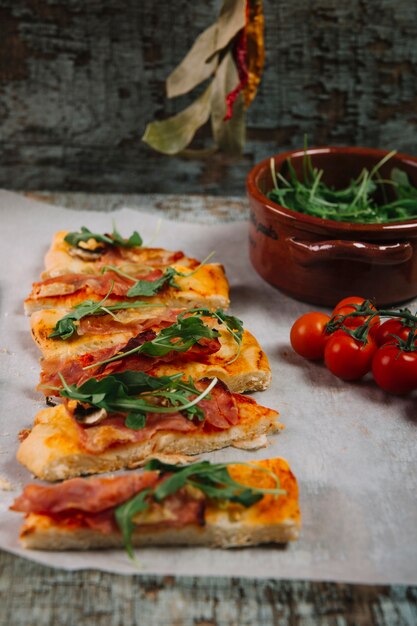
(271, 509)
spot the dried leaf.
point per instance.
(229, 135)
(202, 59)
(172, 135)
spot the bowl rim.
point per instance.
(348, 227)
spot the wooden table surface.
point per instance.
(34, 594)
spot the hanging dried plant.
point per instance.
(231, 51)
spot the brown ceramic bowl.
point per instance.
(321, 261)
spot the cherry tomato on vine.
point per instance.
(348, 300)
(347, 357)
(307, 335)
(345, 307)
(395, 369)
(387, 330)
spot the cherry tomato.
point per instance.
(346, 357)
(391, 327)
(345, 307)
(348, 300)
(307, 335)
(374, 327)
(394, 369)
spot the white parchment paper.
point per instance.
(352, 447)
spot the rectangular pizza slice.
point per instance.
(85, 252)
(174, 286)
(124, 419)
(160, 341)
(225, 505)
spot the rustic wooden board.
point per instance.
(79, 80)
(34, 594)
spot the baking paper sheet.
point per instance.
(352, 447)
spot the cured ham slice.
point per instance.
(220, 413)
(99, 284)
(221, 410)
(91, 503)
(107, 325)
(112, 431)
(200, 286)
(91, 496)
(72, 369)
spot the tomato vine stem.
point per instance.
(369, 312)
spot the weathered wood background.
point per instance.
(79, 80)
(34, 594)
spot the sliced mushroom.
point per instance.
(86, 255)
(89, 415)
(92, 244)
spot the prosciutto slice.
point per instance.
(112, 431)
(91, 502)
(98, 284)
(72, 368)
(107, 325)
(77, 494)
(220, 413)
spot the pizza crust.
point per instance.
(39, 533)
(52, 450)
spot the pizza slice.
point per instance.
(224, 505)
(93, 340)
(85, 252)
(124, 419)
(174, 286)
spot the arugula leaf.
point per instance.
(233, 324)
(137, 394)
(356, 203)
(67, 325)
(136, 421)
(213, 480)
(75, 238)
(126, 512)
(212, 489)
(180, 337)
(115, 239)
(123, 385)
(150, 288)
(139, 382)
(400, 177)
(134, 240)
